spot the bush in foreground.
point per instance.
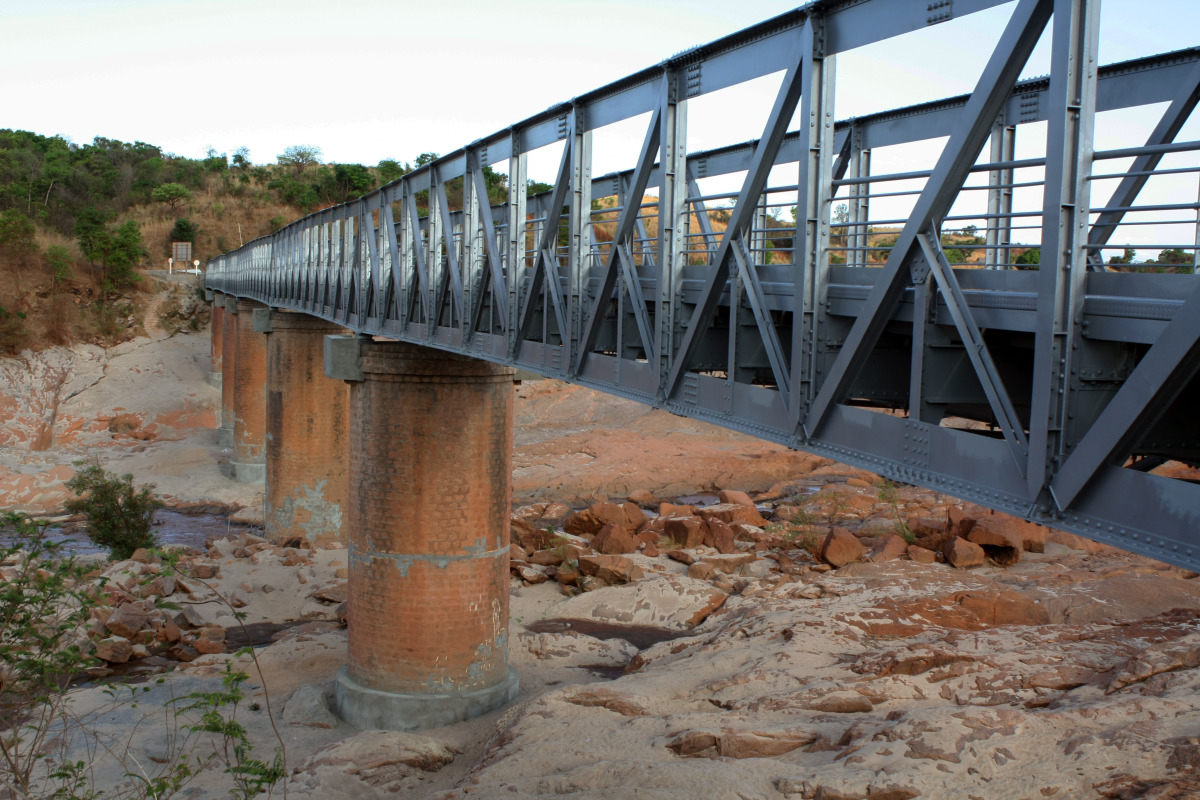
(118, 516)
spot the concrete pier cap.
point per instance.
(430, 483)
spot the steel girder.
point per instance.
(1041, 392)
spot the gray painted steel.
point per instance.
(1048, 393)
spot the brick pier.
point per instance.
(248, 462)
(228, 363)
(307, 424)
(430, 486)
(215, 322)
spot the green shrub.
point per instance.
(118, 516)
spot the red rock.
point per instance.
(610, 569)
(962, 554)
(859, 483)
(891, 548)
(734, 496)
(686, 531)
(840, 547)
(959, 521)
(730, 564)
(702, 570)
(650, 550)
(719, 536)
(1075, 542)
(642, 498)
(555, 512)
(168, 631)
(142, 556)
(590, 520)
(682, 556)
(567, 574)
(614, 540)
(673, 510)
(114, 649)
(921, 555)
(730, 513)
(127, 620)
(999, 542)
(529, 536)
(205, 571)
(207, 646)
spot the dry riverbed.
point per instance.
(811, 633)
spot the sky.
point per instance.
(366, 80)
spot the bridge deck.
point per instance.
(894, 323)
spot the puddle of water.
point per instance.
(171, 527)
(640, 636)
(698, 500)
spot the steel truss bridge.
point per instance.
(1050, 393)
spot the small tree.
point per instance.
(299, 156)
(172, 194)
(1127, 258)
(16, 241)
(185, 230)
(58, 258)
(43, 608)
(118, 516)
(1030, 259)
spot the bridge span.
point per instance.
(946, 317)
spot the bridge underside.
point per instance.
(899, 321)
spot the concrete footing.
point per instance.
(368, 708)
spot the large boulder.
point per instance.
(614, 540)
(590, 520)
(840, 547)
(730, 513)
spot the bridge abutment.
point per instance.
(307, 425)
(430, 487)
(249, 413)
(228, 364)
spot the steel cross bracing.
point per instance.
(1049, 393)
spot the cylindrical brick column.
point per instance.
(248, 464)
(215, 339)
(308, 420)
(228, 364)
(430, 488)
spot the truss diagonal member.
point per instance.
(368, 230)
(387, 219)
(633, 286)
(1126, 193)
(541, 266)
(421, 253)
(742, 215)
(991, 93)
(977, 351)
(499, 287)
(766, 326)
(454, 279)
(626, 220)
(554, 289)
(1167, 368)
(701, 212)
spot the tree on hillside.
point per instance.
(17, 244)
(172, 194)
(241, 158)
(389, 170)
(299, 156)
(1174, 255)
(117, 251)
(1127, 258)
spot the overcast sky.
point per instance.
(366, 80)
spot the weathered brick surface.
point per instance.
(228, 367)
(308, 420)
(430, 484)
(216, 326)
(249, 390)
